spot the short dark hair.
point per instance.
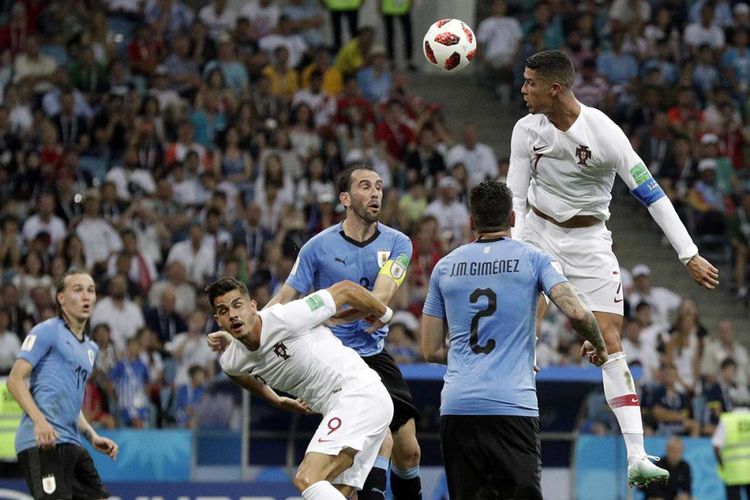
(553, 65)
(490, 204)
(728, 362)
(344, 181)
(223, 286)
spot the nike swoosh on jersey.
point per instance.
(321, 440)
(537, 148)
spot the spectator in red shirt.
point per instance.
(14, 33)
(394, 133)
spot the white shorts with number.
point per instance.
(358, 420)
(587, 260)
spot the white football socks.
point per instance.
(619, 390)
(322, 490)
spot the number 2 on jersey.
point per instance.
(488, 311)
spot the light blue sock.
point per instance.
(405, 474)
(381, 463)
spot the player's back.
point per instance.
(490, 290)
(62, 364)
(331, 257)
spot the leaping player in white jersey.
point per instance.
(287, 347)
(563, 161)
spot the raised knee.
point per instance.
(409, 455)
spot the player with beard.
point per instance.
(363, 250)
(58, 356)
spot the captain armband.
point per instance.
(648, 190)
(396, 268)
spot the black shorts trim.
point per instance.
(404, 408)
(67, 469)
(490, 457)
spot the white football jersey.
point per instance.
(564, 174)
(300, 356)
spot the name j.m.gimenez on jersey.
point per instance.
(484, 268)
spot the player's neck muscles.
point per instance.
(565, 114)
(76, 327)
(357, 229)
(252, 340)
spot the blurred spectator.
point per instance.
(45, 220)
(282, 76)
(640, 345)
(175, 278)
(218, 17)
(198, 259)
(10, 243)
(306, 18)
(679, 485)
(33, 69)
(100, 240)
(163, 318)
(723, 346)
(704, 30)
(670, 406)
(108, 356)
(479, 158)
(122, 315)
(589, 86)
(189, 395)
(401, 10)
(168, 17)
(451, 214)
(663, 302)
(189, 348)
(739, 237)
(426, 161)
(499, 40)
(719, 397)
(95, 406)
(352, 56)
(15, 33)
(10, 345)
(332, 83)
(375, 79)
(284, 36)
(130, 379)
(707, 201)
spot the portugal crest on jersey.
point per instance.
(583, 153)
(383, 257)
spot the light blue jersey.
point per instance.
(331, 257)
(62, 364)
(487, 291)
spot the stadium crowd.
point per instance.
(159, 144)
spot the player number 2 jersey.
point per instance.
(299, 356)
(487, 292)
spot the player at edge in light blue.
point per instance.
(58, 357)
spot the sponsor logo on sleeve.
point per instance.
(640, 174)
(28, 343)
(314, 302)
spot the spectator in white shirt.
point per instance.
(129, 179)
(663, 302)
(190, 348)
(263, 15)
(451, 214)
(218, 18)
(284, 36)
(704, 32)
(725, 346)
(499, 37)
(480, 160)
(175, 277)
(122, 315)
(199, 259)
(44, 220)
(99, 238)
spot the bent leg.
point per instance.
(405, 480)
(317, 470)
(377, 480)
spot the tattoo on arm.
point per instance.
(582, 320)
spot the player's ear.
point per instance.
(345, 199)
(472, 225)
(512, 219)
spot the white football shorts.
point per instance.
(587, 260)
(357, 420)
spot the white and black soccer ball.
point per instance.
(450, 44)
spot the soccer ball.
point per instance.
(450, 44)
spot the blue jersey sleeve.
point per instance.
(548, 271)
(401, 246)
(434, 303)
(37, 344)
(303, 273)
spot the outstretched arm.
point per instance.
(257, 387)
(582, 320)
